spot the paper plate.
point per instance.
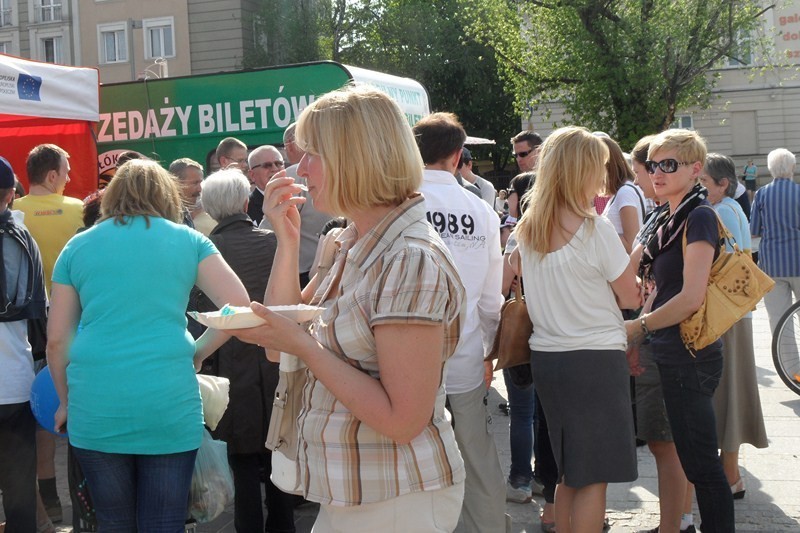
(244, 317)
(299, 313)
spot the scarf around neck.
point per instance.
(666, 227)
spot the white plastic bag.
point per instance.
(212, 482)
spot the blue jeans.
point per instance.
(138, 492)
(688, 389)
(521, 413)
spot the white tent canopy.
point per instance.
(35, 89)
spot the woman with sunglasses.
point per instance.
(688, 380)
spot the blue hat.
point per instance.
(7, 180)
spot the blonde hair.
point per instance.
(689, 147)
(141, 188)
(366, 146)
(572, 168)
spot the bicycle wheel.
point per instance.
(785, 352)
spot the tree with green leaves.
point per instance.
(288, 31)
(621, 66)
(426, 40)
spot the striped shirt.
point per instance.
(775, 216)
(400, 272)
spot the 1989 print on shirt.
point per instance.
(456, 229)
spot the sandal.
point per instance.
(547, 527)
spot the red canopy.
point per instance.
(45, 103)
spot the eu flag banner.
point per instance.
(28, 87)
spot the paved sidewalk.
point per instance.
(772, 475)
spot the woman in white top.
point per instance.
(577, 277)
(625, 210)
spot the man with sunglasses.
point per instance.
(312, 221)
(526, 149)
(265, 162)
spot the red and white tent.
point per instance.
(47, 103)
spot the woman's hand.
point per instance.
(60, 419)
(634, 330)
(280, 206)
(278, 333)
(632, 355)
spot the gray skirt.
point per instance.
(737, 405)
(586, 398)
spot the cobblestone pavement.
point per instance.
(772, 475)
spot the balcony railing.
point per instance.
(48, 13)
(5, 17)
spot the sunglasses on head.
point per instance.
(520, 155)
(667, 166)
(269, 164)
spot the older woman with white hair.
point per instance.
(250, 252)
(775, 217)
(736, 401)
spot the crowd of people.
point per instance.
(394, 428)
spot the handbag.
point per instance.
(510, 346)
(735, 286)
(282, 434)
(283, 430)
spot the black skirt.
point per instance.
(586, 399)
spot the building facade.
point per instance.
(751, 110)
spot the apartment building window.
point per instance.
(48, 11)
(5, 47)
(683, 121)
(6, 12)
(113, 42)
(159, 37)
(51, 50)
(741, 52)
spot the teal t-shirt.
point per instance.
(132, 385)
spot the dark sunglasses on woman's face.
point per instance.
(667, 166)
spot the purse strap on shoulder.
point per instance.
(518, 288)
(724, 234)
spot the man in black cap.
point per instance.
(22, 297)
(488, 193)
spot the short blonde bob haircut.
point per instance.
(141, 188)
(366, 146)
(571, 170)
(689, 147)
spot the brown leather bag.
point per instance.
(510, 346)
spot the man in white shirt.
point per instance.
(471, 230)
(19, 260)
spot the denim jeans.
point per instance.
(521, 411)
(248, 512)
(688, 390)
(138, 492)
(18, 467)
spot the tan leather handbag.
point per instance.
(735, 286)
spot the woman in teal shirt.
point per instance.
(126, 382)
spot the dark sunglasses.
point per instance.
(520, 155)
(269, 164)
(667, 166)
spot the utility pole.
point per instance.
(132, 24)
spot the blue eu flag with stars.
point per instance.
(28, 87)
